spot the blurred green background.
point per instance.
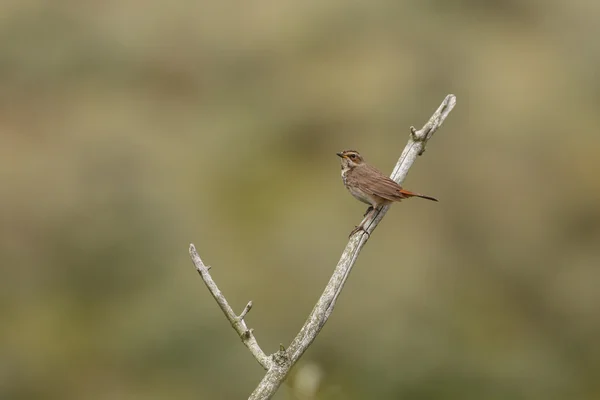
(129, 129)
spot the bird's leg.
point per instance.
(361, 227)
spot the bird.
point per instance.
(367, 184)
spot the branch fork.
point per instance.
(280, 363)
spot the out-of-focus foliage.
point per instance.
(130, 128)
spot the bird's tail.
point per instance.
(413, 194)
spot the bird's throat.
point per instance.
(345, 170)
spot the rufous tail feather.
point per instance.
(412, 194)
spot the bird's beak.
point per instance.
(340, 154)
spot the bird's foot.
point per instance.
(358, 229)
(368, 211)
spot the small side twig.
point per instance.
(237, 322)
(245, 311)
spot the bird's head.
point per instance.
(350, 159)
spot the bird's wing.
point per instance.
(372, 181)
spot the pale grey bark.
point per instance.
(279, 364)
(236, 321)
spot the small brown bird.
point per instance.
(369, 185)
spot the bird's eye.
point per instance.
(353, 156)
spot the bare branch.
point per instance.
(236, 322)
(324, 307)
(279, 364)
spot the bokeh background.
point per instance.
(129, 129)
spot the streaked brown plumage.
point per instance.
(369, 185)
